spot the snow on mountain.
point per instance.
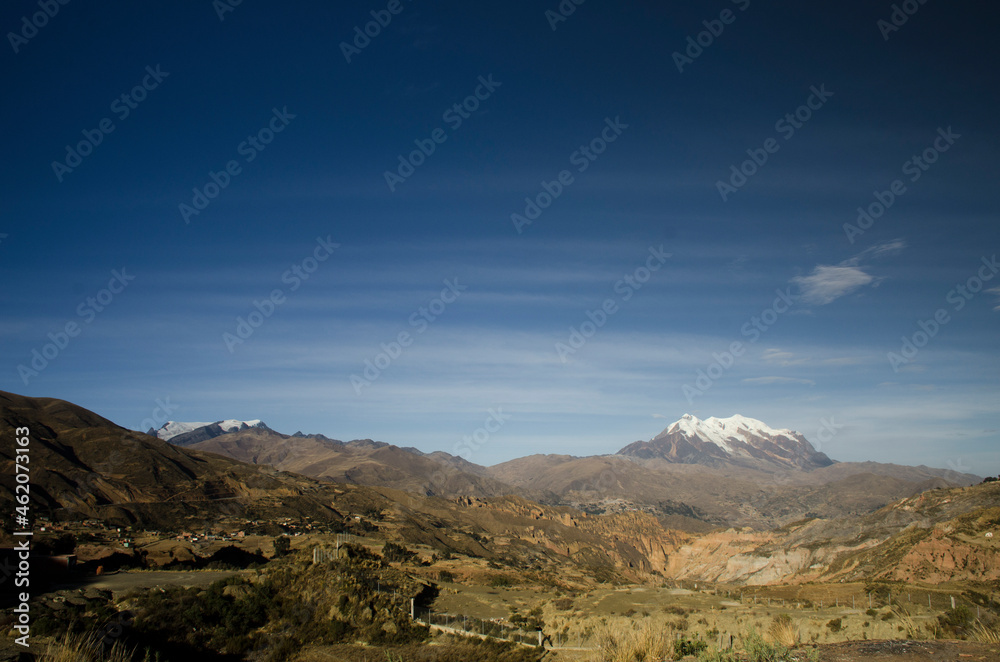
(230, 424)
(172, 429)
(734, 440)
(719, 431)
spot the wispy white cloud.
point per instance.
(843, 360)
(775, 354)
(879, 250)
(778, 380)
(785, 358)
(996, 291)
(827, 283)
(782, 357)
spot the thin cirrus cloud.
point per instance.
(778, 380)
(996, 291)
(828, 283)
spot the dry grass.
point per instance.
(645, 644)
(986, 634)
(913, 631)
(84, 648)
(782, 631)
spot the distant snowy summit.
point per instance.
(736, 440)
(185, 434)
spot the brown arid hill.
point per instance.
(721, 495)
(85, 465)
(360, 462)
(946, 538)
(758, 477)
(937, 536)
(529, 536)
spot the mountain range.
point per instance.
(684, 525)
(185, 434)
(695, 475)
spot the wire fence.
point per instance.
(914, 597)
(491, 628)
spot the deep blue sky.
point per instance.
(495, 345)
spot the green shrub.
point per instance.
(282, 545)
(684, 646)
(760, 650)
(500, 581)
(394, 553)
(563, 604)
(957, 621)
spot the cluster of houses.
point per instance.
(205, 536)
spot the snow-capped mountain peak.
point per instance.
(172, 429)
(722, 431)
(230, 424)
(737, 440)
